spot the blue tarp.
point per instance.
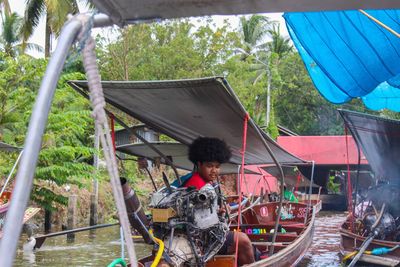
(348, 55)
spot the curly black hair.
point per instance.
(207, 149)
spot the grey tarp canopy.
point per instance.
(177, 152)
(379, 140)
(9, 148)
(130, 11)
(290, 176)
(187, 109)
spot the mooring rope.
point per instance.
(99, 114)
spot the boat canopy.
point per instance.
(349, 55)
(132, 11)
(9, 148)
(379, 139)
(188, 109)
(293, 177)
(177, 153)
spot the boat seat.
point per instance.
(278, 244)
(221, 261)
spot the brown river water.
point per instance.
(102, 246)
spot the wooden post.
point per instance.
(71, 220)
(95, 193)
(47, 221)
(93, 210)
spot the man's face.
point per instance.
(209, 171)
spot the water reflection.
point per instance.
(324, 250)
(96, 248)
(102, 246)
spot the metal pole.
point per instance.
(37, 125)
(310, 191)
(274, 159)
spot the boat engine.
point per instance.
(188, 222)
(385, 228)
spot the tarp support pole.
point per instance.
(149, 144)
(310, 192)
(380, 23)
(349, 185)
(33, 141)
(276, 162)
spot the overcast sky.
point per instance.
(38, 36)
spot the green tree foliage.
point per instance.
(172, 50)
(298, 105)
(66, 148)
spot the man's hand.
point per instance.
(224, 210)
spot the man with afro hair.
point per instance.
(207, 155)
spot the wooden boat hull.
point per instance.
(349, 242)
(289, 247)
(4, 205)
(292, 254)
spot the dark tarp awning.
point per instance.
(187, 109)
(131, 11)
(177, 152)
(291, 176)
(9, 148)
(379, 140)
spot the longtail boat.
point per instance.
(371, 232)
(123, 12)
(164, 106)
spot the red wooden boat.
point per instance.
(4, 205)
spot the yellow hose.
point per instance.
(350, 255)
(159, 252)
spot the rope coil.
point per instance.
(99, 114)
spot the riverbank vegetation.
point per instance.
(260, 64)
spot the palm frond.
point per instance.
(35, 9)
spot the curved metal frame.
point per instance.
(33, 141)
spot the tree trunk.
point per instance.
(47, 42)
(268, 113)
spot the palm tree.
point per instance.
(254, 29)
(56, 12)
(11, 37)
(280, 45)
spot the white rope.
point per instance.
(99, 114)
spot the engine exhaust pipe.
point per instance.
(132, 202)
